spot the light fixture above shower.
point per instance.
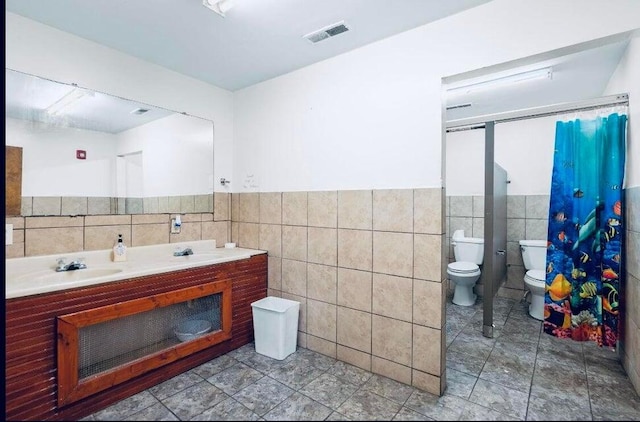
(502, 81)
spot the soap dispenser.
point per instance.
(119, 250)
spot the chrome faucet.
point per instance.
(184, 252)
(77, 264)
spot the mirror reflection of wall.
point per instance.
(72, 137)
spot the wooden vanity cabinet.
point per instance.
(33, 339)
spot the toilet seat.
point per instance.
(536, 278)
(463, 268)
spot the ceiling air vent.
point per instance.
(139, 111)
(327, 32)
(451, 107)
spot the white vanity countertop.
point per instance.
(35, 275)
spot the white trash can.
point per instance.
(275, 326)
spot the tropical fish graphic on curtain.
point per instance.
(585, 232)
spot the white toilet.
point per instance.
(465, 271)
(534, 255)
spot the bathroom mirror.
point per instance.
(119, 155)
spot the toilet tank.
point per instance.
(534, 254)
(468, 249)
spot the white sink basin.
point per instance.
(51, 276)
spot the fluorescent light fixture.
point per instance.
(219, 6)
(71, 97)
(545, 73)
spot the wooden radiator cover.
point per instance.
(31, 368)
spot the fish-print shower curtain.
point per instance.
(585, 232)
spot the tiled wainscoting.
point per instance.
(56, 234)
(630, 343)
(83, 205)
(527, 217)
(367, 268)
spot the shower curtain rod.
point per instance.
(534, 112)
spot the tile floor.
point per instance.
(520, 374)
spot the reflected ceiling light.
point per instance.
(545, 73)
(218, 6)
(71, 97)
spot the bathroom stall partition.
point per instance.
(495, 230)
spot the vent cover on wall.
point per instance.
(327, 32)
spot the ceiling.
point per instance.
(256, 40)
(262, 39)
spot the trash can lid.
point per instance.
(275, 304)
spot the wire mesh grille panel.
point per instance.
(109, 344)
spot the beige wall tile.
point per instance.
(395, 371)
(393, 253)
(249, 235)
(74, 205)
(271, 208)
(322, 282)
(104, 237)
(14, 251)
(429, 383)
(427, 213)
(216, 230)
(18, 222)
(294, 277)
(274, 276)
(393, 210)
(355, 249)
(191, 218)
(107, 220)
(271, 239)
(151, 205)
(294, 208)
(149, 234)
(294, 242)
(355, 209)
(354, 357)
(221, 206)
(99, 206)
(53, 241)
(235, 206)
(47, 205)
(53, 222)
(321, 346)
(187, 204)
(302, 317)
(392, 296)
(153, 218)
(302, 339)
(235, 232)
(203, 203)
(427, 256)
(429, 303)
(188, 232)
(207, 216)
(354, 329)
(391, 339)
(322, 246)
(354, 289)
(427, 349)
(249, 207)
(26, 207)
(323, 209)
(321, 320)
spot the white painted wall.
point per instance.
(524, 148)
(371, 118)
(626, 78)
(177, 155)
(50, 166)
(47, 52)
